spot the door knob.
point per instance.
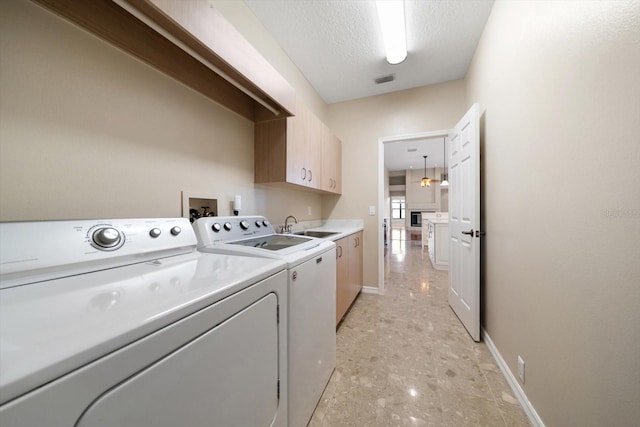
(468, 233)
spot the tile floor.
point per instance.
(404, 359)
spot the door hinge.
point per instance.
(479, 233)
(278, 388)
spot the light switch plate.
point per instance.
(372, 210)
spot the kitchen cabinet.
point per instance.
(438, 241)
(331, 161)
(349, 272)
(297, 150)
(304, 148)
(426, 217)
(191, 42)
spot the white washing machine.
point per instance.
(311, 265)
(122, 323)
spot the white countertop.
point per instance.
(439, 221)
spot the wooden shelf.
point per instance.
(194, 44)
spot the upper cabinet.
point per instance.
(331, 161)
(193, 43)
(298, 150)
(303, 149)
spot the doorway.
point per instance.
(384, 196)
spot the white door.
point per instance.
(464, 221)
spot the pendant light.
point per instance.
(445, 175)
(426, 182)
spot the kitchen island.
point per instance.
(437, 233)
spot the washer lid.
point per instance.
(51, 328)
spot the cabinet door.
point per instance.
(297, 146)
(313, 152)
(355, 265)
(331, 162)
(342, 277)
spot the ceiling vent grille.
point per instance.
(385, 79)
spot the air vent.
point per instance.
(412, 150)
(385, 79)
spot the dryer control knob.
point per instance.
(227, 226)
(155, 232)
(265, 222)
(216, 227)
(258, 224)
(244, 224)
(107, 237)
(176, 230)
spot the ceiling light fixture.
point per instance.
(445, 175)
(426, 182)
(391, 17)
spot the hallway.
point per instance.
(404, 359)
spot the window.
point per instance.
(397, 207)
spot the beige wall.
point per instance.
(559, 91)
(87, 131)
(359, 124)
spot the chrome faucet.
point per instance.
(287, 227)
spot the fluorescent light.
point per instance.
(391, 16)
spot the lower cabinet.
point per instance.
(438, 236)
(349, 272)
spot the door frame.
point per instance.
(381, 206)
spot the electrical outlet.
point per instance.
(372, 210)
(308, 210)
(521, 368)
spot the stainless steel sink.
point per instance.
(320, 234)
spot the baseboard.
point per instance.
(533, 416)
(370, 290)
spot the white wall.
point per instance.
(559, 89)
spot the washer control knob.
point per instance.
(216, 227)
(265, 222)
(155, 232)
(244, 224)
(227, 226)
(107, 237)
(258, 224)
(176, 230)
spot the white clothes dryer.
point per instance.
(122, 323)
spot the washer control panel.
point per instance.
(226, 229)
(66, 245)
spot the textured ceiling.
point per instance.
(338, 46)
